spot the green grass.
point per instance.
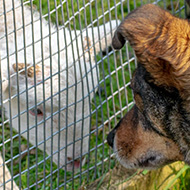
(105, 103)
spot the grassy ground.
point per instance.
(107, 104)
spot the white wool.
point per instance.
(78, 76)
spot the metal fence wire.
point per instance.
(62, 89)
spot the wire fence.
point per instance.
(62, 89)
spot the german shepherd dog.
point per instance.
(156, 131)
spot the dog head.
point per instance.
(156, 130)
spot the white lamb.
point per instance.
(52, 69)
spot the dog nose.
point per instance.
(110, 137)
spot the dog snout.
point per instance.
(110, 138)
(111, 135)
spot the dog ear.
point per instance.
(161, 44)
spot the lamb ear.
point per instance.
(20, 67)
(160, 42)
(101, 35)
(30, 71)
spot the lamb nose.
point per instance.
(110, 138)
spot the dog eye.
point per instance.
(37, 112)
(139, 102)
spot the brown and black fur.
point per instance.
(156, 131)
